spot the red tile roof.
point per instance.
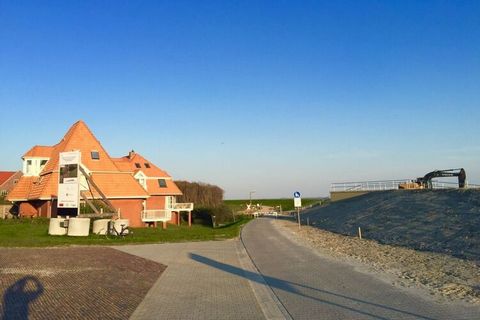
(134, 162)
(80, 138)
(39, 152)
(114, 177)
(21, 191)
(5, 175)
(45, 187)
(129, 164)
(118, 185)
(154, 188)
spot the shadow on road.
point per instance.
(297, 289)
(18, 296)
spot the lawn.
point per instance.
(34, 233)
(287, 204)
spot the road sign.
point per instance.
(297, 200)
(297, 203)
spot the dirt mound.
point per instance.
(445, 221)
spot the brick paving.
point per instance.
(313, 285)
(204, 280)
(73, 283)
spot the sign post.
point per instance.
(297, 202)
(68, 201)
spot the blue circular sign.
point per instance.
(296, 194)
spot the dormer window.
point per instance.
(95, 155)
(137, 165)
(162, 183)
(142, 182)
(147, 165)
(29, 166)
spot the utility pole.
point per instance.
(251, 192)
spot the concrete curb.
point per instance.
(269, 303)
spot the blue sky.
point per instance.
(272, 96)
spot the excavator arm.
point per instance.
(426, 181)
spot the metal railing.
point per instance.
(389, 185)
(156, 215)
(367, 185)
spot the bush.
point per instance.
(223, 214)
(202, 216)
(202, 194)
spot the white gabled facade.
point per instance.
(32, 166)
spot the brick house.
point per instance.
(136, 188)
(8, 179)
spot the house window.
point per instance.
(29, 166)
(137, 165)
(95, 155)
(43, 163)
(162, 183)
(147, 165)
(142, 182)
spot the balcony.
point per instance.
(156, 215)
(182, 206)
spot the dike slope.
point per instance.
(444, 221)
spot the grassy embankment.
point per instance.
(287, 204)
(34, 233)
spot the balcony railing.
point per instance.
(182, 206)
(156, 215)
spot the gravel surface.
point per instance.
(443, 221)
(441, 275)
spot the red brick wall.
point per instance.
(42, 208)
(156, 202)
(130, 209)
(27, 209)
(35, 209)
(174, 219)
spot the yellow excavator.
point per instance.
(425, 182)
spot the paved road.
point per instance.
(203, 280)
(313, 287)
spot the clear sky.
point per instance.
(270, 96)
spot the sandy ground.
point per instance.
(439, 275)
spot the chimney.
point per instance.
(131, 154)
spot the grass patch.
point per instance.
(34, 233)
(287, 204)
